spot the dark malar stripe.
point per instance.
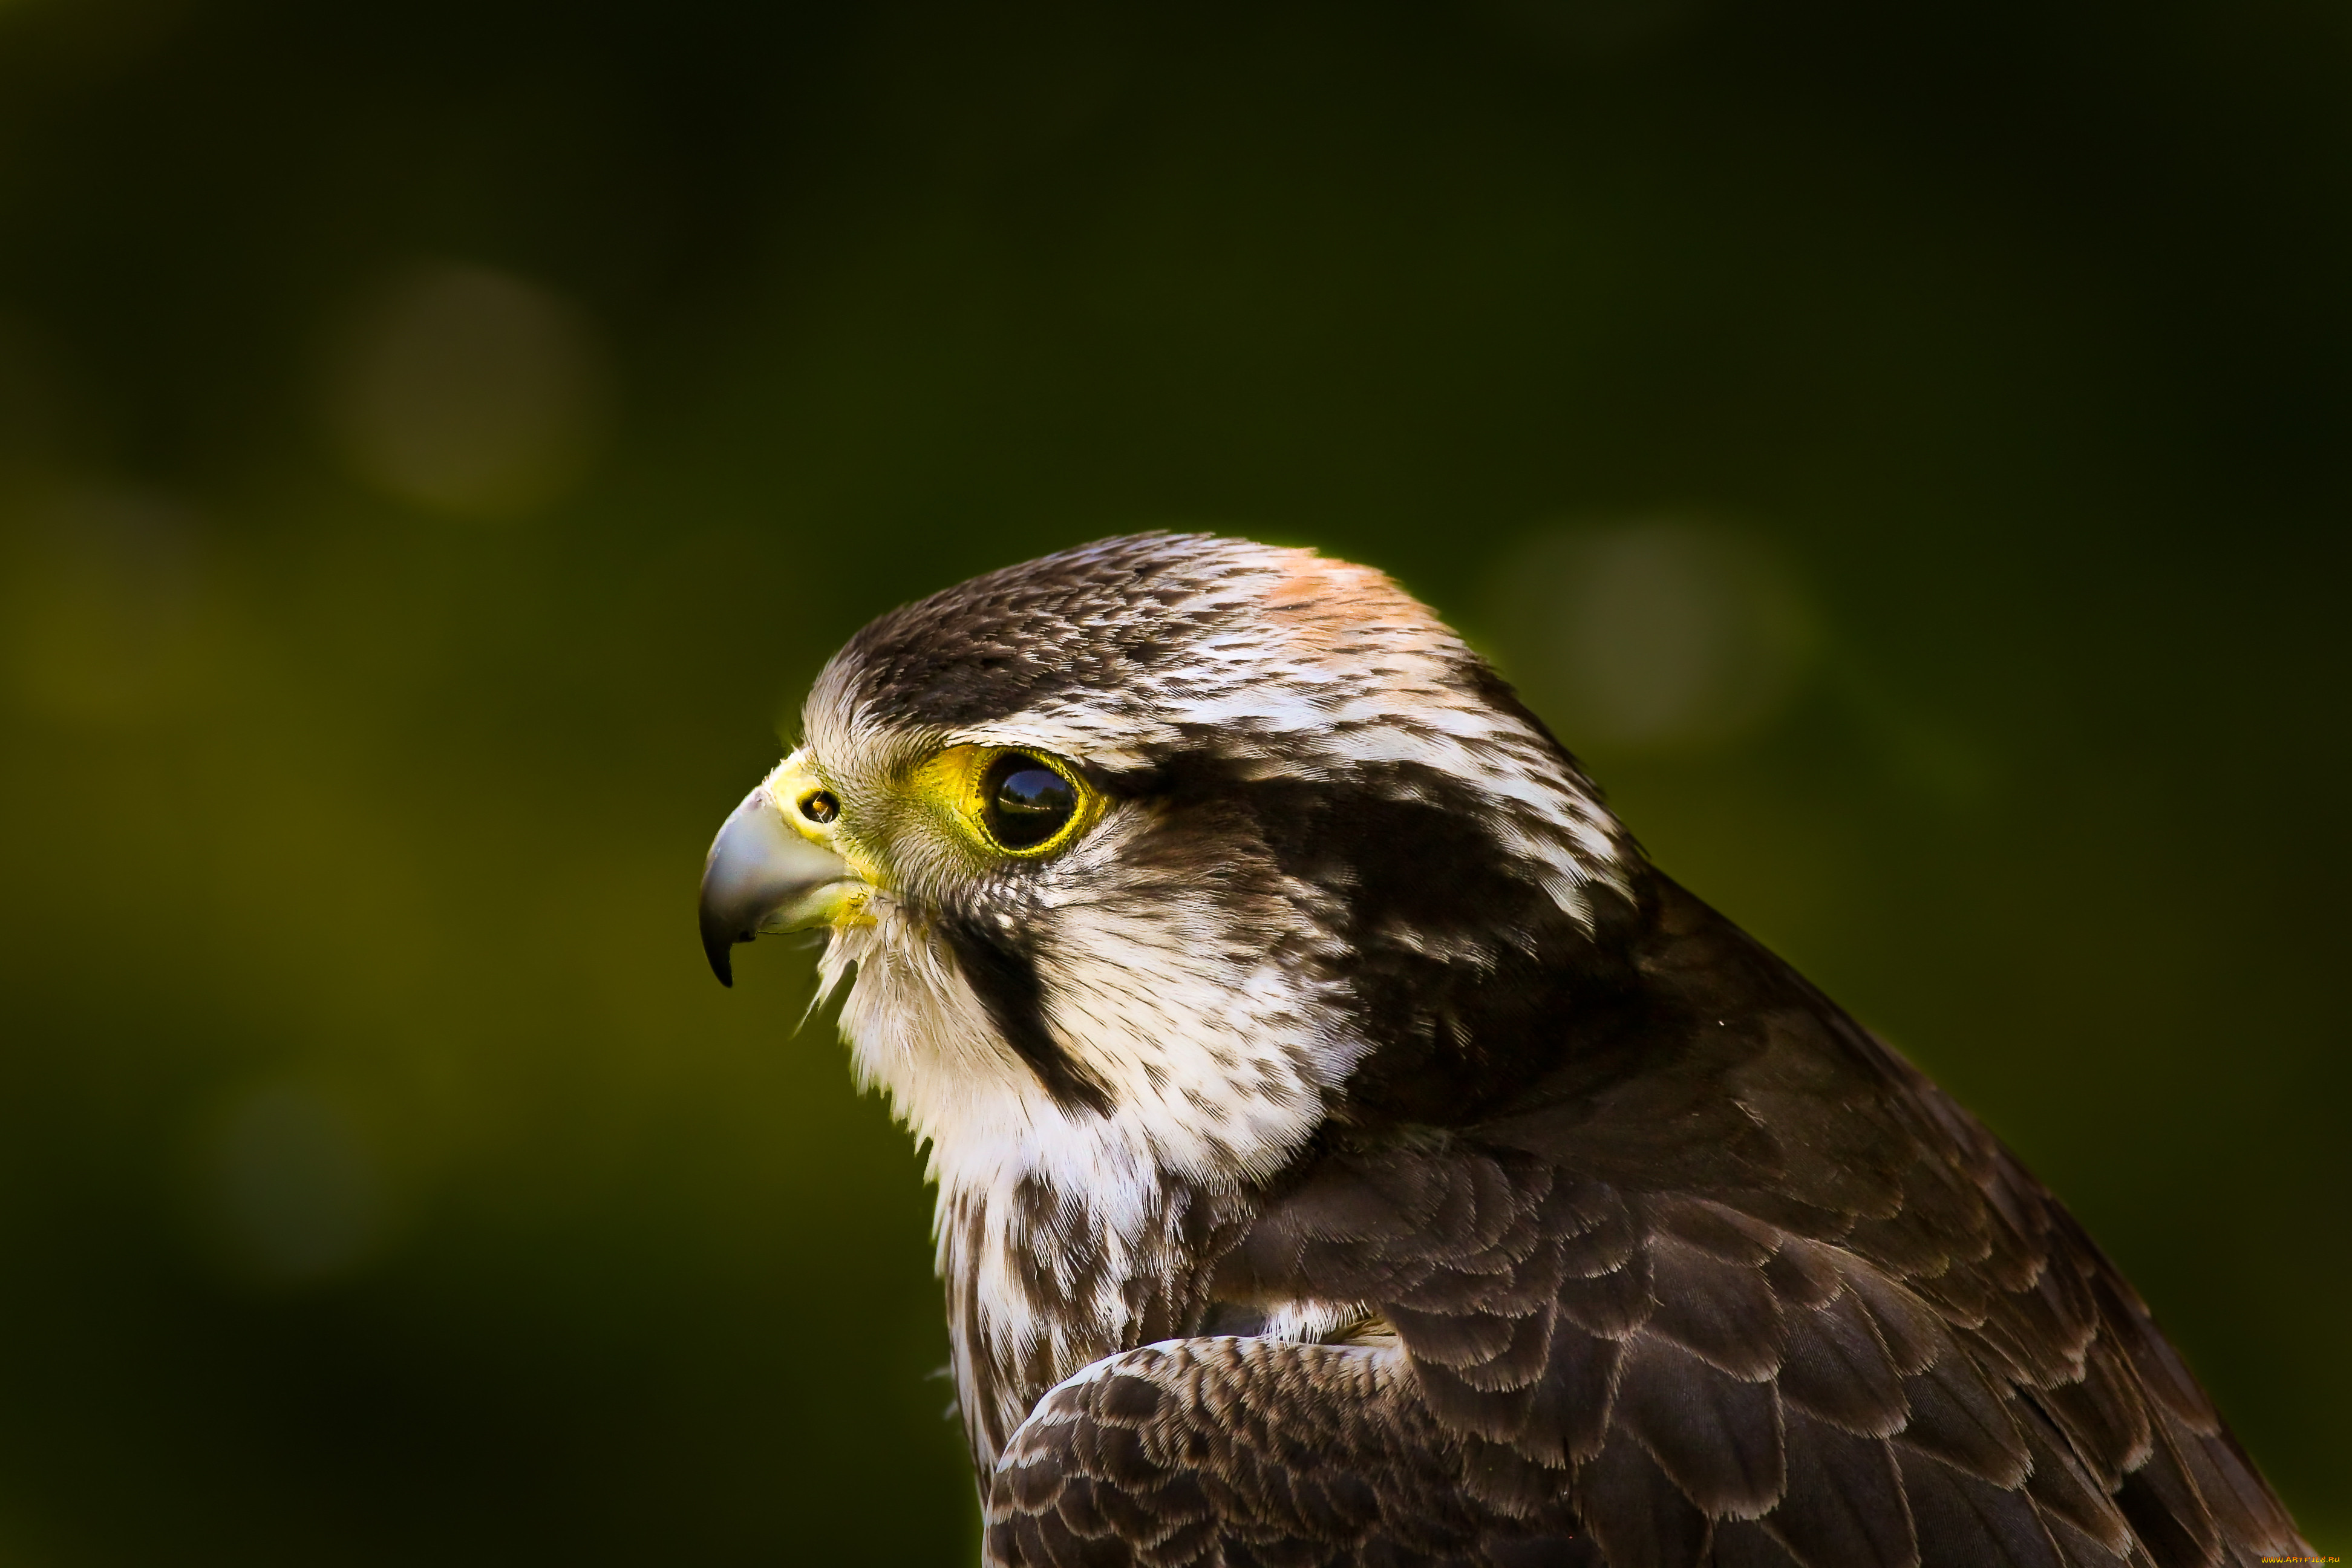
(1002, 970)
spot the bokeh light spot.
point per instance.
(104, 613)
(471, 391)
(1661, 634)
(297, 1191)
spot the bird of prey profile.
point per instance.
(1350, 1150)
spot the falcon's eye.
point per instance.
(1025, 801)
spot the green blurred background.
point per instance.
(1907, 448)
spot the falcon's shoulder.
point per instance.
(1745, 1286)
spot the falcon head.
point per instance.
(1158, 854)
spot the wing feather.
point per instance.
(1142, 1459)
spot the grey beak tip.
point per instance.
(758, 867)
(718, 947)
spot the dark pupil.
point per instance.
(1030, 803)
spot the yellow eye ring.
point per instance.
(1017, 803)
(1028, 804)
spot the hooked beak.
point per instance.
(764, 875)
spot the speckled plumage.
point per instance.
(1352, 1151)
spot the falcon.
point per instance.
(1350, 1150)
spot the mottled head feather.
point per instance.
(1133, 652)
